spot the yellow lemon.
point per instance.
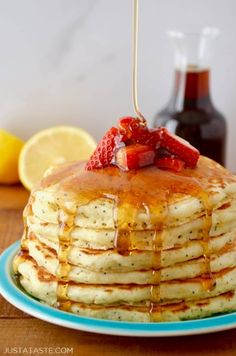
(50, 147)
(10, 147)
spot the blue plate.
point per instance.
(16, 296)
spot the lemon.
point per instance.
(10, 147)
(51, 147)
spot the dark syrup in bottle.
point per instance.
(191, 114)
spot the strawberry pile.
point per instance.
(132, 145)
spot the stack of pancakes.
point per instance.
(145, 245)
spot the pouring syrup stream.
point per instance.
(135, 61)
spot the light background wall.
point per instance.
(69, 61)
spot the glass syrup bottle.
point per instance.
(190, 112)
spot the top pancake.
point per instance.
(146, 199)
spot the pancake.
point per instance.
(223, 221)
(225, 302)
(145, 245)
(111, 261)
(180, 210)
(38, 282)
(171, 312)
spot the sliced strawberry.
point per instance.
(162, 152)
(153, 139)
(129, 125)
(133, 130)
(105, 150)
(173, 164)
(179, 147)
(134, 156)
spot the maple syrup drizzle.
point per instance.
(135, 61)
(62, 292)
(157, 216)
(124, 220)
(208, 280)
(66, 224)
(27, 212)
(65, 306)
